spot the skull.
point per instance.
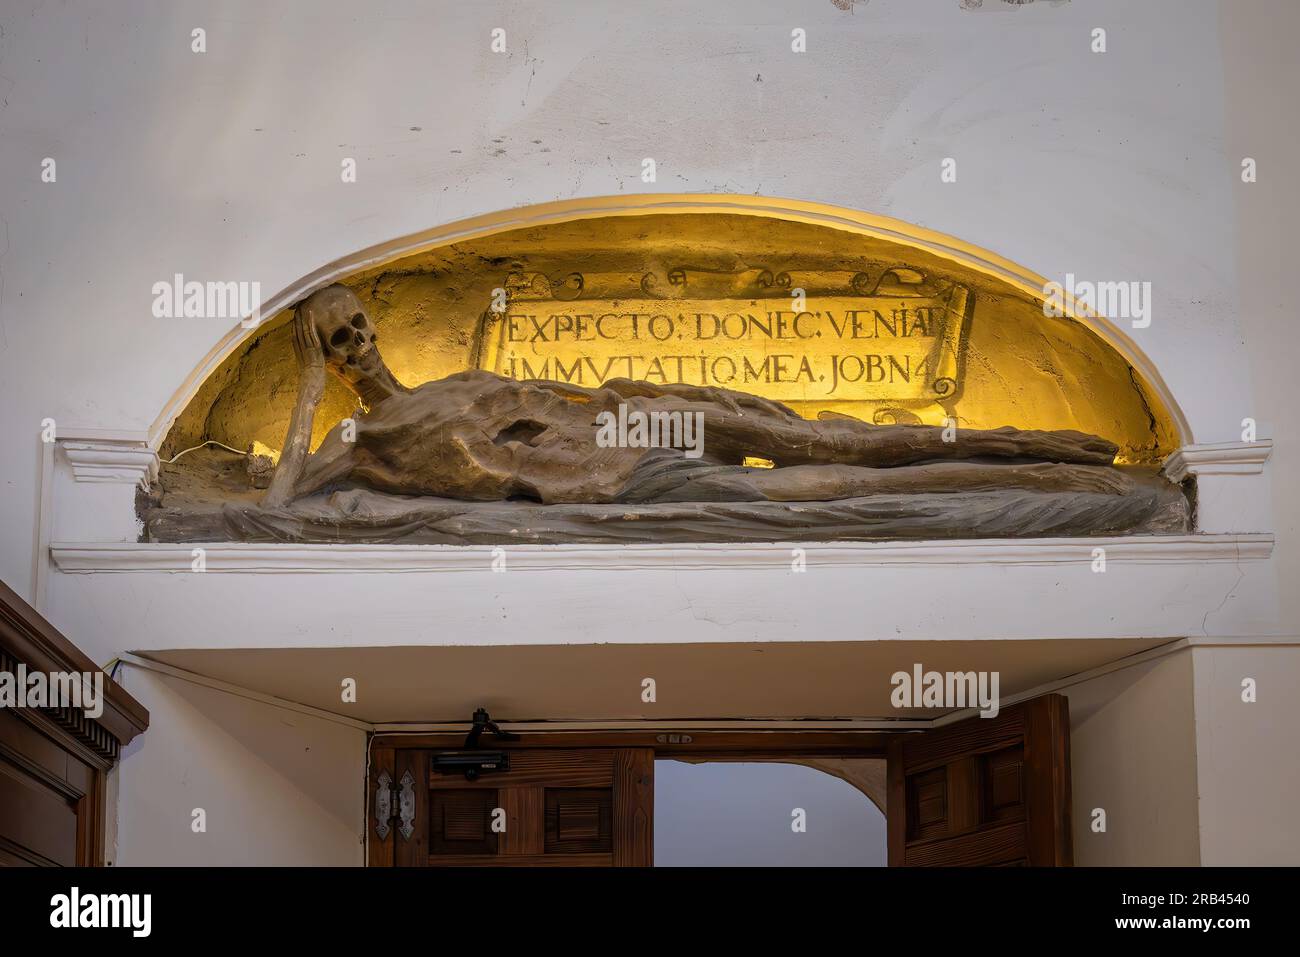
(346, 335)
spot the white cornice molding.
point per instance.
(119, 461)
(1224, 458)
(88, 557)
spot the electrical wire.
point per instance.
(199, 446)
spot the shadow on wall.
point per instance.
(274, 787)
(744, 815)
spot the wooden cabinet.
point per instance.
(54, 760)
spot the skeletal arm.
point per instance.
(297, 443)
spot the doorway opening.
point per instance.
(974, 791)
(762, 814)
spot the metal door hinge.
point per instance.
(406, 807)
(395, 803)
(383, 804)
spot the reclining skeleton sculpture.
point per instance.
(479, 437)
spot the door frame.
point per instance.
(1037, 721)
(669, 742)
(787, 747)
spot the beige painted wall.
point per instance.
(279, 787)
(1248, 760)
(1188, 772)
(1133, 753)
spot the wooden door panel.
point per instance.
(1047, 782)
(413, 851)
(984, 791)
(634, 798)
(1002, 781)
(37, 822)
(998, 845)
(524, 807)
(380, 841)
(579, 821)
(567, 807)
(460, 822)
(49, 800)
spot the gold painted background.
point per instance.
(1020, 368)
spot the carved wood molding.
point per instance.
(28, 639)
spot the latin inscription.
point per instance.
(838, 348)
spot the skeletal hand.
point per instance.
(306, 344)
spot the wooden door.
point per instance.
(591, 807)
(50, 800)
(985, 791)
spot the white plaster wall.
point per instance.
(1133, 754)
(1262, 74)
(226, 166)
(1248, 765)
(278, 787)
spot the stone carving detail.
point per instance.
(885, 338)
(478, 456)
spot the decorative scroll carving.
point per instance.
(816, 336)
(689, 282)
(27, 640)
(538, 287)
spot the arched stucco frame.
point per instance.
(818, 214)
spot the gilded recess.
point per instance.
(885, 331)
